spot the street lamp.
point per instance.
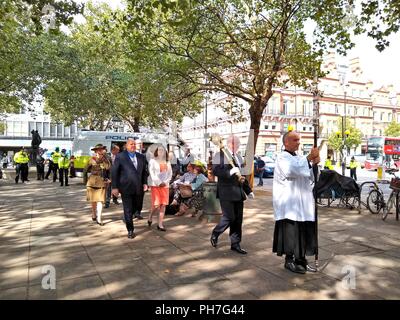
(343, 135)
(343, 81)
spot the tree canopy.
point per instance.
(20, 23)
(393, 129)
(243, 48)
(353, 140)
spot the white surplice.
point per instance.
(292, 188)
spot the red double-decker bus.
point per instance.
(382, 151)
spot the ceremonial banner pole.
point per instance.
(315, 166)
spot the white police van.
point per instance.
(84, 141)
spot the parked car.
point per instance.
(269, 167)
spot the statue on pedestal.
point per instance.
(36, 141)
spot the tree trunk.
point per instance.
(256, 111)
(136, 123)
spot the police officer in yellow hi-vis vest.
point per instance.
(56, 155)
(63, 166)
(21, 160)
(353, 168)
(328, 164)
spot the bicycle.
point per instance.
(376, 201)
(391, 203)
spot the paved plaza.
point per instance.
(43, 224)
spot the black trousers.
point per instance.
(21, 169)
(131, 203)
(139, 207)
(40, 171)
(63, 176)
(49, 170)
(55, 169)
(353, 173)
(232, 218)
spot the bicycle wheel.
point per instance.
(375, 201)
(352, 202)
(389, 206)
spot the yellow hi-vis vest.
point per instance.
(21, 157)
(63, 162)
(353, 164)
(328, 164)
(55, 157)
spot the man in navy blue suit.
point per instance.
(129, 177)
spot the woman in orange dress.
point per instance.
(160, 174)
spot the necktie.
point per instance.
(133, 158)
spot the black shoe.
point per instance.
(115, 201)
(67, 185)
(238, 249)
(161, 229)
(306, 266)
(131, 234)
(214, 241)
(292, 266)
(107, 205)
(139, 217)
(94, 219)
(61, 185)
(149, 222)
(100, 224)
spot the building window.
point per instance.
(66, 132)
(381, 116)
(31, 127)
(266, 126)
(46, 129)
(270, 147)
(59, 130)
(39, 128)
(285, 106)
(307, 108)
(52, 130)
(73, 129)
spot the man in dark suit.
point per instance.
(231, 196)
(129, 177)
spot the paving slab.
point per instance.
(94, 262)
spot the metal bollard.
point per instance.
(379, 172)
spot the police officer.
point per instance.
(56, 155)
(40, 165)
(353, 168)
(328, 164)
(63, 165)
(21, 160)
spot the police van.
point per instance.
(84, 141)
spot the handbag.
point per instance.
(185, 191)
